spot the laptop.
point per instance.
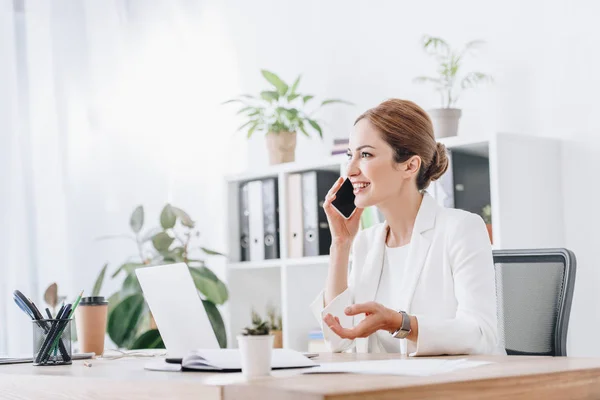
(177, 309)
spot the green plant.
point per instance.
(369, 217)
(279, 110)
(259, 326)
(99, 280)
(447, 81)
(275, 320)
(129, 320)
(486, 214)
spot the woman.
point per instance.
(426, 274)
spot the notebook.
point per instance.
(229, 360)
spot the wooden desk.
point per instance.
(510, 377)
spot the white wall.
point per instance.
(544, 56)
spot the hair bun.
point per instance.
(439, 163)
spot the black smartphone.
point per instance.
(344, 199)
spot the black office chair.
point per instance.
(534, 289)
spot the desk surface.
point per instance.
(514, 377)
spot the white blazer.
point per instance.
(449, 285)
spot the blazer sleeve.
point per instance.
(336, 306)
(474, 329)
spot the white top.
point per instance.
(394, 264)
(448, 285)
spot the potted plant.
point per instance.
(486, 214)
(276, 325)
(130, 324)
(449, 82)
(280, 112)
(256, 344)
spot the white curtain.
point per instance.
(105, 105)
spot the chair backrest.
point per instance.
(534, 289)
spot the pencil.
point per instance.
(76, 304)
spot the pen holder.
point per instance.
(52, 342)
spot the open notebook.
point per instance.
(229, 360)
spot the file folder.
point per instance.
(294, 217)
(244, 215)
(271, 218)
(256, 221)
(317, 237)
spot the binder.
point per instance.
(244, 216)
(317, 237)
(271, 218)
(471, 181)
(256, 221)
(295, 232)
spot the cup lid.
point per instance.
(93, 301)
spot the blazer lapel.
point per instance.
(419, 247)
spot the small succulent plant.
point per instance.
(259, 327)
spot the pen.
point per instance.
(63, 325)
(50, 317)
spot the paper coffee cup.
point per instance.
(90, 318)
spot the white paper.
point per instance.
(410, 367)
(162, 366)
(231, 359)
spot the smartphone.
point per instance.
(344, 199)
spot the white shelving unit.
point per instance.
(525, 196)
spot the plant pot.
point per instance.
(489, 229)
(281, 146)
(445, 121)
(255, 354)
(277, 339)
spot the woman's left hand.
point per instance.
(377, 318)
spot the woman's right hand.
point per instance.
(342, 230)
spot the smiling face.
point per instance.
(375, 175)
